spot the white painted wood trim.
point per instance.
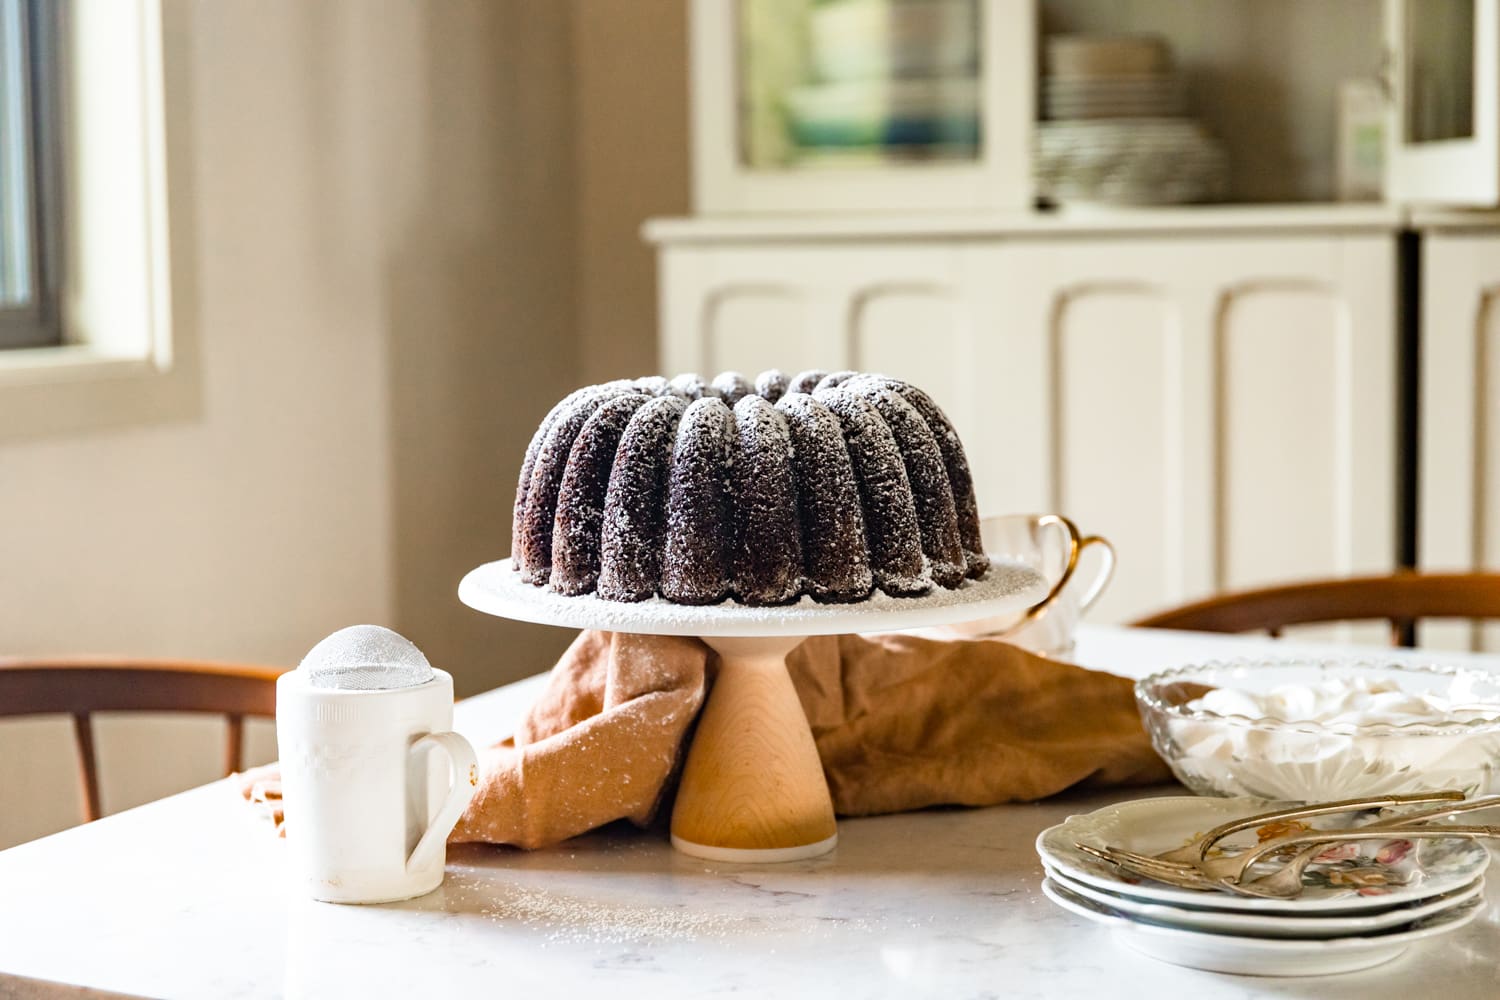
(974, 225)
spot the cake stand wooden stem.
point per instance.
(753, 788)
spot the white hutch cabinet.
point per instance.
(1225, 391)
(1219, 401)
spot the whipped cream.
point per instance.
(1350, 701)
(1353, 748)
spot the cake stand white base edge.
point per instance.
(762, 856)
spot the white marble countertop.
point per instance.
(187, 897)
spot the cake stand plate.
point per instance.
(752, 787)
(497, 589)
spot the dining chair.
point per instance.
(80, 686)
(1402, 599)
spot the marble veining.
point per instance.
(188, 897)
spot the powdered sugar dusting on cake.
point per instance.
(771, 384)
(732, 387)
(833, 380)
(528, 464)
(635, 506)
(876, 480)
(960, 479)
(892, 531)
(835, 558)
(691, 386)
(695, 563)
(579, 521)
(805, 381)
(766, 564)
(929, 484)
(534, 541)
(652, 385)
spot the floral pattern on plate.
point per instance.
(1359, 882)
(1370, 868)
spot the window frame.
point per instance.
(38, 322)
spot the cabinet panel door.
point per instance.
(912, 332)
(903, 310)
(1284, 469)
(743, 324)
(1112, 346)
(1223, 409)
(1459, 422)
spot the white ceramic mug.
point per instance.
(369, 805)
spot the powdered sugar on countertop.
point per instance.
(745, 908)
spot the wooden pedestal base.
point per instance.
(753, 788)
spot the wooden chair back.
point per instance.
(80, 686)
(1402, 599)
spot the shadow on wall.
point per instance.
(631, 130)
(518, 274)
(480, 290)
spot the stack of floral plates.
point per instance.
(1363, 903)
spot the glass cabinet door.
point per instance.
(1445, 87)
(851, 83)
(823, 106)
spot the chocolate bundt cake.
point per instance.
(833, 485)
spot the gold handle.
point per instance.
(1103, 579)
(1070, 529)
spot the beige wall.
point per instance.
(632, 148)
(478, 288)
(387, 255)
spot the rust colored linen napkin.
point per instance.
(901, 722)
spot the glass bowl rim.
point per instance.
(1148, 698)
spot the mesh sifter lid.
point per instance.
(365, 658)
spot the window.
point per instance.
(30, 182)
(99, 87)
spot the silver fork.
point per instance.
(1182, 878)
(1228, 873)
(1286, 881)
(1280, 884)
(1189, 855)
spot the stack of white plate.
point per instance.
(1139, 161)
(1116, 130)
(1148, 96)
(1364, 904)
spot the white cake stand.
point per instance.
(752, 788)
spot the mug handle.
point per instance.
(1102, 580)
(464, 778)
(1069, 531)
